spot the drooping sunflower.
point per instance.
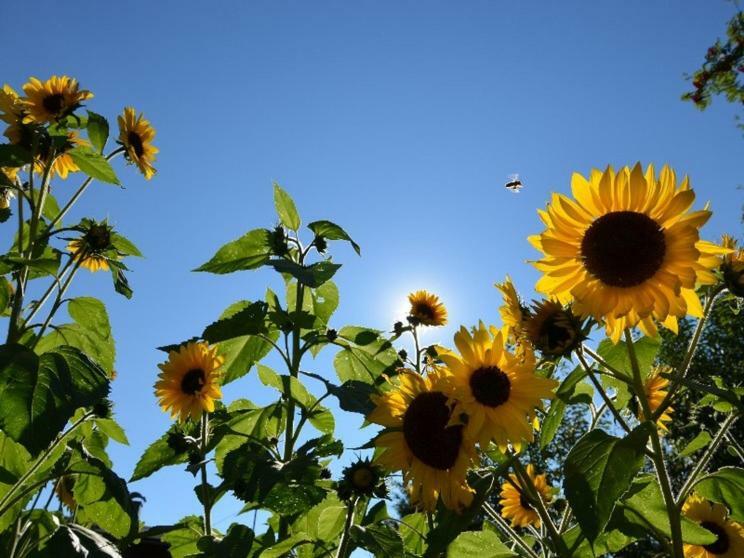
(733, 266)
(713, 517)
(11, 112)
(63, 163)
(497, 391)
(427, 309)
(553, 329)
(53, 99)
(515, 505)
(136, 135)
(94, 248)
(427, 441)
(655, 386)
(626, 249)
(188, 383)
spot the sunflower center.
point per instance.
(524, 502)
(98, 237)
(556, 333)
(427, 434)
(722, 542)
(490, 386)
(362, 478)
(423, 311)
(54, 103)
(623, 248)
(193, 381)
(135, 141)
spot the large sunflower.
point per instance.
(713, 517)
(11, 112)
(136, 135)
(94, 248)
(53, 99)
(516, 506)
(427, 309)
(626, 249)
(498, 391)
(426, 441)
(655, 387)
(188, 383)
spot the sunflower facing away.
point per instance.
(136, 135)
(655, 386)
(425, 443)
(733, 266)
(91, 248)
(516, 506)
(553, 329)
(11, 112)
(497, 391)
(713, 517)
(53, 99)
(626, 249)
(188, 383)
(426, 309)
(63, 164)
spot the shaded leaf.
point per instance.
(93, 164)
(331, 231)
(250, 251)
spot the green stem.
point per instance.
(418, 350)
(206, 496)
(505, 528)
(657, 456)
(705, 459)
(4, 502)
(602, 393)
(343, 544)
(614, 372)
(735, 445)
(56, 283)
(57, 301)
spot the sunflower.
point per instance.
(189, 381)
(427, 441)
(497, 391)
(516, 506)
(362, 478)
(733, 266)
(513, 315)
(655, 388)
(713, 517)
(426, 309)
(94, 248)
(64, 491)
(63, 163)
(53, 99)
(626, 249)
(9, 175)
(553, 329)
(11, 112)
(136, 135)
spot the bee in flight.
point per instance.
(513, 183)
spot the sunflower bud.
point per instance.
(320, 244)
(398, 328)
(103, 409)
(403, 354)
(278, 241)
(331, 335)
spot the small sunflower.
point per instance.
(426, 441)
(516, 506)
(94, 248)
(188, 383)
(426, 309)
(362, 478)
(136, 135)
(497, 391)
(512, 312)
(64, 491)
(11, 112)
(53, 99)
(63, 163)
(626, 249)
(655, 386)
(553, 329)
(6, 193)
(733, 266)
(713, 517)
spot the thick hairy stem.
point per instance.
(657, 455)
(507, 530)
(705, 459)
(343, 544)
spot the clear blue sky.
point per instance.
(399, 120)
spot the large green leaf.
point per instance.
(250, 251)
(478, 544)
(598, 470)
(93, 164)
(285, 208)
(332, 231)
(98, 131)
(380, 539)
(14, 462)
(697, 443)
(365, 356)
(551, 422)
(245, 320)
(76, 541)
(40, 394)
(616, 354)
(611, 540)
(725, 486)
(323, 522)
(310, 275)
(166, 450)
(413, 530)
(236, 543)
(91, 332)
(14, 156)
(6, 292)
(183, 540)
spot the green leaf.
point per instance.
(183, 540)
(567, 388)
(612, 540)
(98, 131)
(478, 544)
(160, 454)
(93, 164)
(290, 386)
(310, 275)
(365, 356)
(725, 486)
(242, 353)
(91, 332)
(247, 422)
(6, 292)
(551, 422)
(598, 470)
(124, 246)
(380, 539)
(616, 355)
(40, 394)
(75, 541)
(285, 208)
(413, 529)
(697, 443)
(250, 251)
(14, 462)
(236, 543)
(322, 419)
(284, 547)
(14, 156)
(332, 231)
(325, 521)
(250, 320)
